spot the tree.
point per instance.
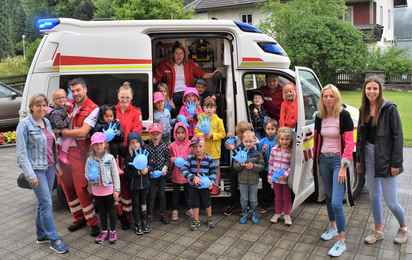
(141, 9)
(78, 9)
(393, 60)
(313, 36)
(5, 43)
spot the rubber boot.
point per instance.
(139, 229)
(117, 164)
(123, 221)
(145, 225)
(244, 215)
(254, 218)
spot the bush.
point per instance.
(393, 60)
(12, 66)
(31, 51)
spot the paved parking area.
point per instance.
(228, 240)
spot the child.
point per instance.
(180, 148)
(197, 163)
(289, 107)
(257, 113)
(107, 115)
(162, 116)
(265, 146)
(105, 186)
(213, 139)
(240, 128)
(161, 157)
(60, 119)
(192, 95)
(162, 87)
(138, 183)
(280, 158)
(248, 176)
(201, 87)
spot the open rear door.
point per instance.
(301, 179)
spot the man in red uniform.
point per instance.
(273, 96)
(73, 180)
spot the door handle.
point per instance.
(309, 133)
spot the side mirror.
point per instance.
(13, 95)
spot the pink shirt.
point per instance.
(50, 155)
(102, 190)
(330, 134)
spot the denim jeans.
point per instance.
(377, 186)
(248, 192)
(45, 225)
(160, 183)
(329, 170)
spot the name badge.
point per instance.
(168, 71)
(267, 98)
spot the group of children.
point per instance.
(200, 151)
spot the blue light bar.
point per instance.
(44, 24)
(272, 47)
(247, 27)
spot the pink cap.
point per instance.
(158, 96)
(98, 137)
(155, 127)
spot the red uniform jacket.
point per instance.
(130, 120)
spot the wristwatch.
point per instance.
(345, 164)
(61, 133)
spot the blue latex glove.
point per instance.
(140, 161)
(93, 171)
(205, 182)
(265, 119)
(110, 133)
(277, 174)
(179, 162)
(183, 119)
(191, 107)
(167, 106)
(157, 174)
(231, 140)
(204, 125)
(70, 96)
(241, 156)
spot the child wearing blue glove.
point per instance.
(279, 162)
(191, 108)
(138, 183)
(101, 171)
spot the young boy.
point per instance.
(161, 157)
(265, 146)
(213, 143)
(248, 176)
(199, 163)
(203, 94)
(240, 128)
(257, 113)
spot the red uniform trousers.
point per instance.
(75, 185)
(124, 202)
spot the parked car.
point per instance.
(10, 101)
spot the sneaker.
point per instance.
(328, 235)
(373, 237)
(58, 247)
(337, 249)
(210, 222)
(229, 211)
(138, 228)
(164, 219)
(195, 224)
(215, 190)
(275, 218)
(175, 215)
(113, 237)
(94, 230)
(149, 219)
(43, 240)
(189, 212)
(145, 227)
(101, 237)
(288, 220)
(76, 225)
(402, 236)
(263, 209)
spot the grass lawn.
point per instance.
(403, 100)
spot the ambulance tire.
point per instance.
(62, 197)
(358, 183)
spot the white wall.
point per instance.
(388, 22)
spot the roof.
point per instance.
(204, 5)
(194, 3)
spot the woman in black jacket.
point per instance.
(379, 153)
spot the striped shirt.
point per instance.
(195, 166)
(279, 160)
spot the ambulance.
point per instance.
(106, 53)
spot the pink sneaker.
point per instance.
(189, 212)
(113, 237)
(63, 157)
(175, 215)
(102, 236)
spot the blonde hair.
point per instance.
(338, 102)
(249, 133)
(164, 86)
(196, 97)
(288, 132)
(126, 86)
(92, 152)
(55, 92)
(293, 88)
(37, 98)
(243, 126)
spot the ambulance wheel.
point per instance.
(358, 183)
(62, 197)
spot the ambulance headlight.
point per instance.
(44, 24)
(247, 27)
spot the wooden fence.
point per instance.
(355, 80)
(16, 82)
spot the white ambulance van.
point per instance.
(106, 53)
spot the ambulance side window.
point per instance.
(102, 88)
(311, 92)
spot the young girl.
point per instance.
(191, 95)
(137, 183)
(162, 116)
(180, 148)
(289, 107)
(101, 171)
(162, 87)
(280, 158)
(107, 115)
(60, 119)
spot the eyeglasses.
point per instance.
(60, 98)
(125, 98)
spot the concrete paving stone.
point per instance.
(185, 241)
(173, 249)
(406, 248)
(301, 221)
(93, 257)
(195, 234)
(294, 255)
(364, 257)
(243, 244)
(278, 253)
(405, 256)
(164, 255)
(353, 238)
(179, 230)
(252, 256)
(388, 254)
(368, 250)
(170, 237)
(236, 253)
(267, 240)
(156, 233)
(234, 233)
(74, 254)
(190, 253)
(208, 256)
(159, 245)
(291, 236)
(320, 250)
(106, 252)
(225, 240)
(303, 247)
(202, 244)
(250, 237)
(296, 229)
(147, 253)
(209, 236)
(218, 248)
(308, 239)
(260, 248)
(27, 250)
(132, 249)
(12, 256)
(258, 229)
(274, 232)
(243, 227)
(145, 240)
(285, 244)
(223, 257)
